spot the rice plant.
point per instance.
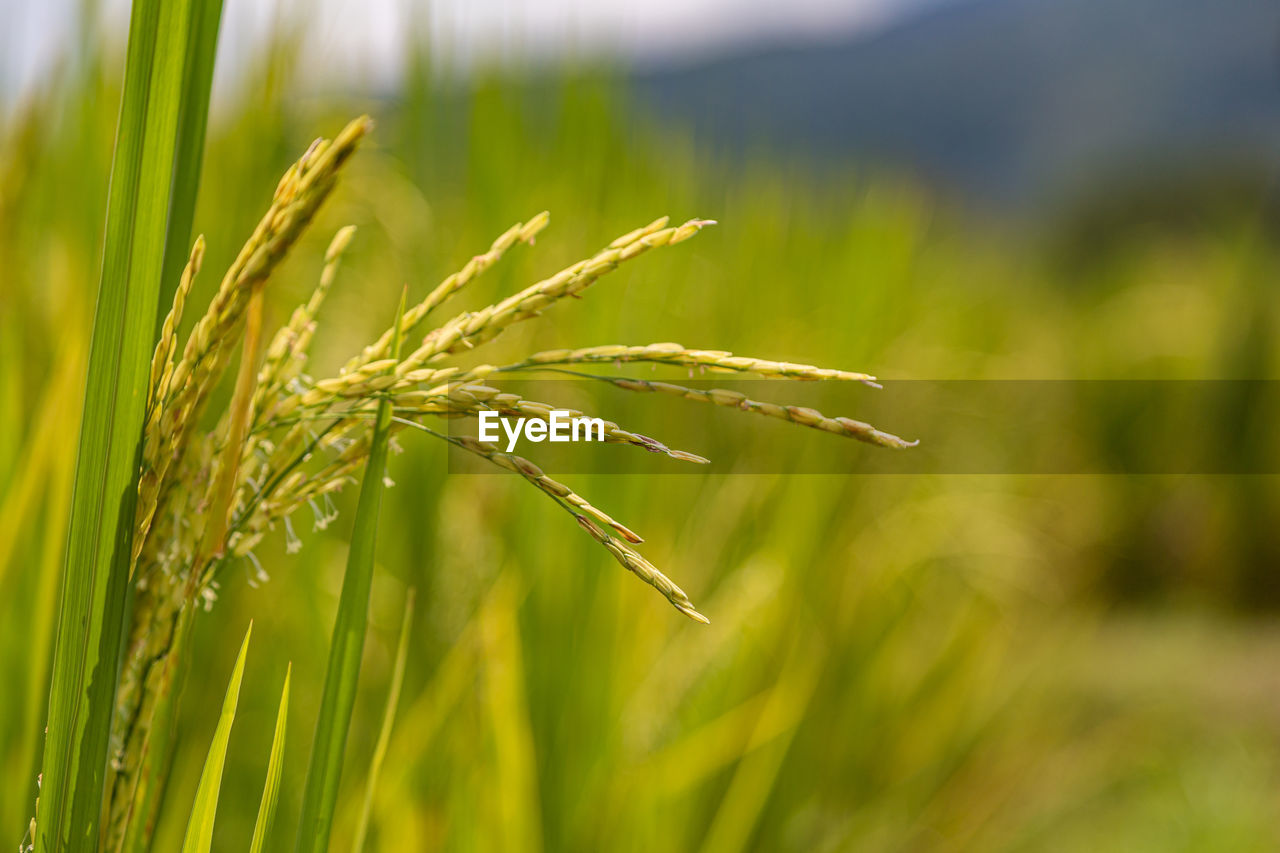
(167, 498)
(904, 616)
(207, 498)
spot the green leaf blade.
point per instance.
(193, 121)
(388, 722)
(275, 769)
(347, 646)
(95, 596)
(199, 837)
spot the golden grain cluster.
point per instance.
(288, 441)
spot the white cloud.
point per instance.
(365, 39)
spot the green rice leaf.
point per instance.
(200, 826)
(388, 720)
(95, 589)
(275, 768)
(347, 646)
(193, 120)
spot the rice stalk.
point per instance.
(521, 232)
(179, 469)
(714, 361)
(207, 496)
(468, 330)
(802, 415)
(320, 794)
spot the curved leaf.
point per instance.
(200, 826)
(275, 768)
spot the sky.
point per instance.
(366, 38)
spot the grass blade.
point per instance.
(205, 808)
(388, 720)
(275, 768)
(193, 120)
(347, 646)
(95, 589)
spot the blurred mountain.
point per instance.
(1008, 100)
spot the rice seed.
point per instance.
(555, 489)
(714, 361)
(469, 330)
(286, 354)
(162, 361)
(300, 193)
(802, 415)
(525, 232)
(590, 519)
(154, 466)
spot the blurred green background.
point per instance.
(894, 663)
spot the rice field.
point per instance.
(931, 662)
